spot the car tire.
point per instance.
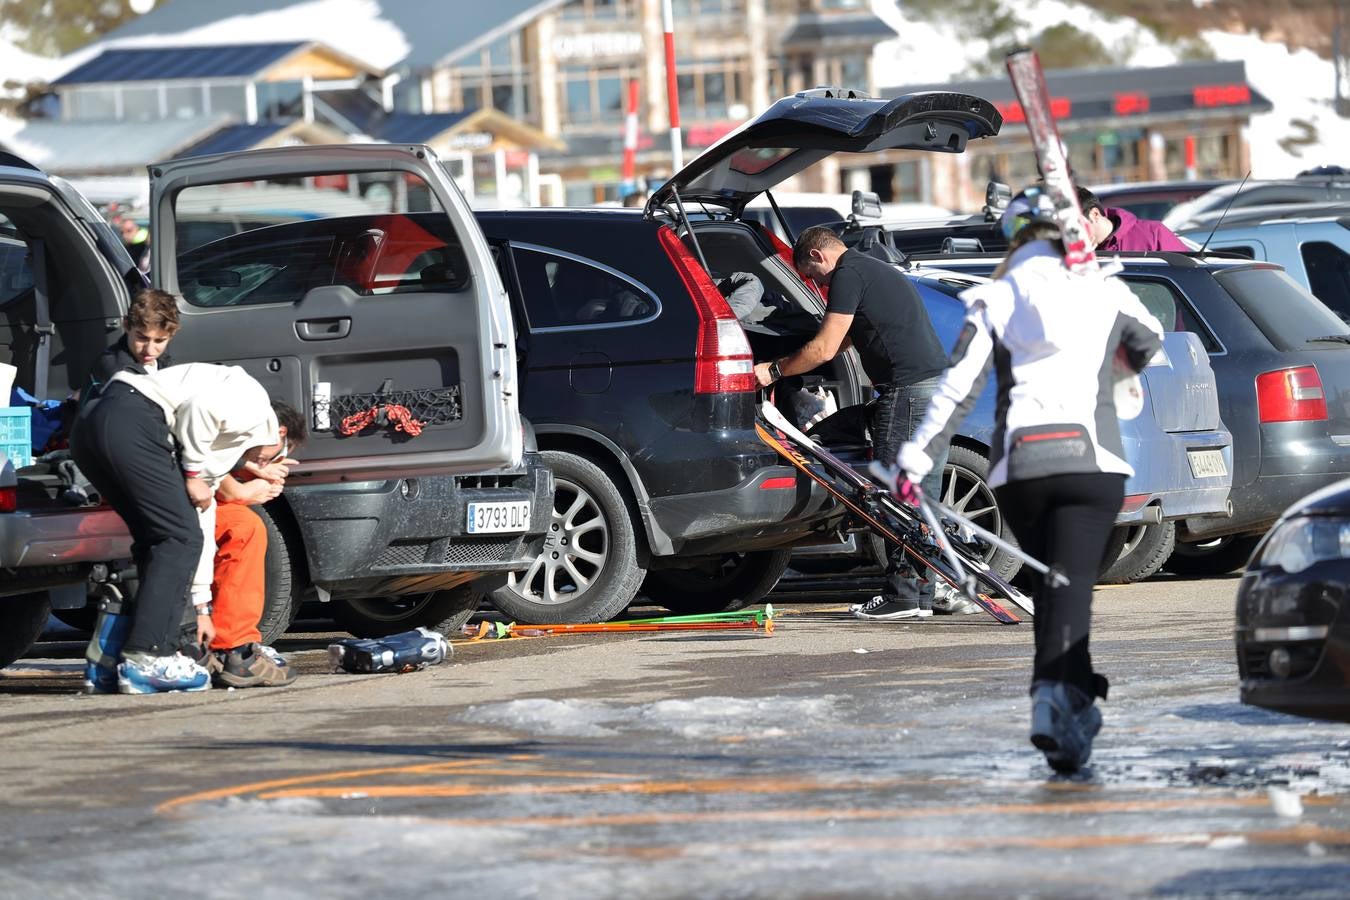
(1214, 557)
(734, 581)
(966, 490)
(1143, 552)
(587, 506)
(285, 568)
(22, 618)
(371, 617)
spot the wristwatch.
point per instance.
(775, 371)
(205, 609)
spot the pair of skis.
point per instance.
(749, 619)
(1028, 80)
(925, 541)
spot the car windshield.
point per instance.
(1289, 316)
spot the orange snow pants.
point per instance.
(239, 583)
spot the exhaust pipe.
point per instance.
(1152, 515)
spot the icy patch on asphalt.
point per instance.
(696, 719)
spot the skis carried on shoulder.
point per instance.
(874, 506)
(1028, 81)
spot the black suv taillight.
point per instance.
(1291, 395)
(723, 360)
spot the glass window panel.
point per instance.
(561, 292)
(715, 94)
(353, 229)
(227, 98)
(504, 98)
(579, 99)
(140, 104)
(688, 97)
(610, 91)
(471, 95)
(91, 103)
(183, 101)
(279, 99)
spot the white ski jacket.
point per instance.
(1051, 336)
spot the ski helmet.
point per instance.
(1031, 205)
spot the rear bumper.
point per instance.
(770, 508)
(1297, 458)
(1163, 474)
(62, 537)
(381, 534)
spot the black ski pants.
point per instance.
(1064, 521)
(897, 414)
(122, 444)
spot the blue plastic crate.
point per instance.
(16, 434)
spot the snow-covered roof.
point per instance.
(411, 34)
(107, 147)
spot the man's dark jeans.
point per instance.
(899, 410)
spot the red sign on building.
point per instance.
(1130, 104)
(1210, 95)
(1060, 108)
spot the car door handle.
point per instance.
(323, 329)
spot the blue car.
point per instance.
(1179, 448)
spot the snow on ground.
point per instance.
(1303, 130)
(703, 717)
(19, 67)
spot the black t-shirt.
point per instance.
(891, 330)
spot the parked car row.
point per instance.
(612, 336)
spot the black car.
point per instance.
(638, 377)
(1293, 611)
(1282, 367)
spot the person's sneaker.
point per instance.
(273, 655)
(141, 673)
(881, 608)
(1064, 721)
(251, 666)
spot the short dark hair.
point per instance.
(153, 308)
(1088, 201)
(297, 429)
(817, 237)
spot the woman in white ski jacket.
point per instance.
(1051, 336)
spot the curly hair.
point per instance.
(153, 309)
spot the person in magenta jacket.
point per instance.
(1120, 231)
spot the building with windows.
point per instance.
(1120, 124)
(560, 69)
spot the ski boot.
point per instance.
(407, 651)
(1064, 721)
(105, 644)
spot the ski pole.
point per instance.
(1054, 573)
(926, 510)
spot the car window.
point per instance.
(272, 241)
(1285, 312)
(1171, 308)
(1328, 275)
(16, 276)
(1246, 252)
(564, 292)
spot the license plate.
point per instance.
(495, 518)
(1207, 463)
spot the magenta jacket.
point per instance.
(1135, 234)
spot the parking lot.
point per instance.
(833, 758)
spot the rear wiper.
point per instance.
(1342, 338)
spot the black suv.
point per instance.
(638, 379)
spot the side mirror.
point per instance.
(997, 196)
(958, 246)
(866, 203)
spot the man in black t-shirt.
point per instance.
(875, 308)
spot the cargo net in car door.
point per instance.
(407, 412)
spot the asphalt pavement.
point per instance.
(835, 758)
